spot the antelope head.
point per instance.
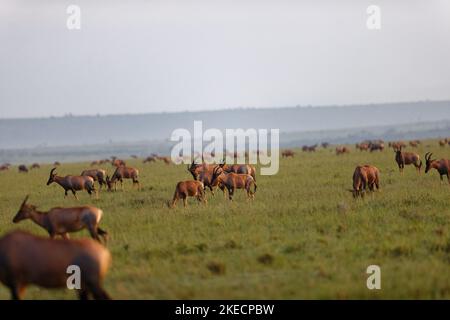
(52, 176)
(429, 161)
(24, 211)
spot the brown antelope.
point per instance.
(287, 153)
(365, 177)
(61, 221)
(232, 181)
(325, 145)
(73, 183)
(203, 172)
(118, 163)
(149, 159)
(309, 148)
(23, 168)
(166, 160)
(35, 166)
(363, 146)
(123, 173)
(240, 168)
(407, 158)
(96, 174)
(342, 150)
(442, 142)
(95, 163)
(4, 167)
(185, 189)
(56, 163)
(27, 259)
(442, 166)
(378, 145)
(414, 143)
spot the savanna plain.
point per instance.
(302, 237)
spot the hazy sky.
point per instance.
(152, 56)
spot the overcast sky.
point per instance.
(153, 56)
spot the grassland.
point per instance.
(303, 237)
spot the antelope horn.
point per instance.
(25, 200)
(53, 170)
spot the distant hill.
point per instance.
(114, 129)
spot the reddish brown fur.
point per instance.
(442, 166)
(61, 221)
(123, 173)
(73, 183)
(407, 158)
(365, 178)
(232, 181)
(185, 189)
(96, 174)
(342, 150)
(23, 168)
(287, 153)
(27, 259)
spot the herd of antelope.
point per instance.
(28, 259)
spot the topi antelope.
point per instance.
(342, 150)
(203, 172)
(149, 159)
(377, 145)
(73, 183)
(185, 189)
(23, 168)
(4, 167)
(363, 146)
(407, 158)
(27, 259)
(442, 166)
(61, 221)
(123, 173)
(35, 166)
(365, 177)
(232, 181)
(240, 168)
(56, 163)
(96, 174)
(442, 142)
(287, 153)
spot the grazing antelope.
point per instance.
(342, 150)
(56, 163)
(325, 145)
(287, 153)
(35, 166)
(414, 143)
(149, 159)
(442, 166)
(365, 177)
(27, 259)
(185, 189)
(166, 160)
(96, 174)
(378, 145)
(4, 167)
(61, 221)
(232, 181)
(309, 148)
(23, 168)
(134, 156)
(363, 146)
(73, 183)
(121, 173)
(407, 158)
(95, 163)
(443, 142)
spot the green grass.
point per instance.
(303, 237)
